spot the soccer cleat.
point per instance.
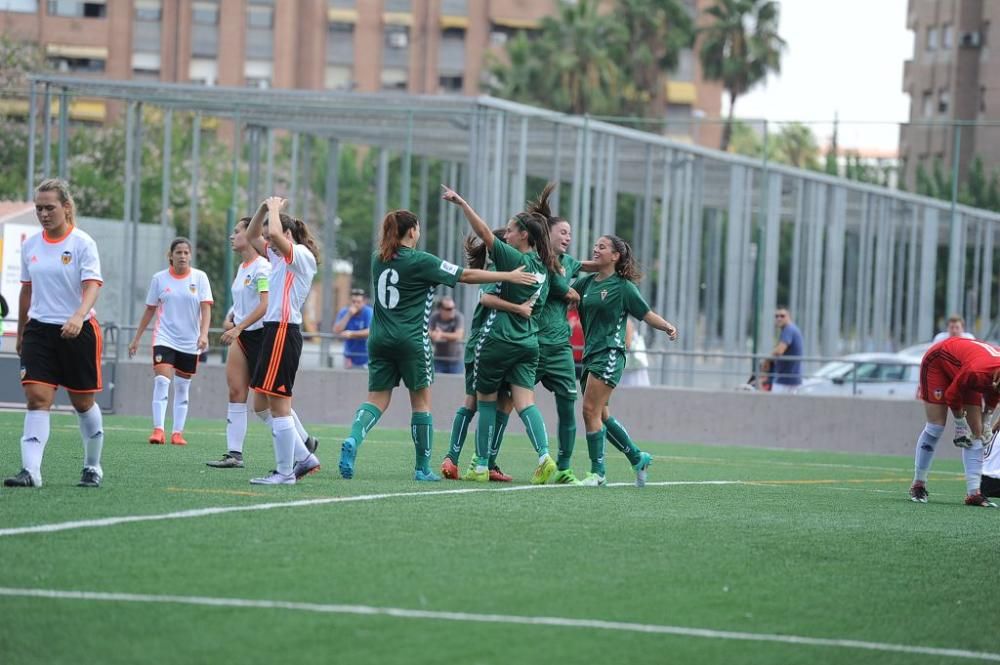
(22, 479)
(641, 469)
(177, 439)
(450, 470)
(274, 478)
(89, 478)
(567, 477)
(312, 443)
(978, 499)
(305, 467)
(476, 476)
(157, 438)
(594, 480)
(918, 492)
(232, 460)
(426, 476)
(545, 470)
(348, 453)
(498, 476)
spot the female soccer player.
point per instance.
(957, 373)
(293, 254)
(607, 297)
(399, 347)
(507, 349)
(476, 257)
(181, 299)
(58, 338)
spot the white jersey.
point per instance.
(991, 458)
(251, 281)
(178, 301)
(291, 280)
(56, 270)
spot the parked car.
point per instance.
(893, 375)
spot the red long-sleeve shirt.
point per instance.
(970, 364)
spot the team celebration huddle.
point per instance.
(519, 338)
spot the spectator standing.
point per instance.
(956, 328)
(447, 330)
(352, 325)
(787, 373)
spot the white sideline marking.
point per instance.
(220, 510)
(561, 622)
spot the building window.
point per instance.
(944, 100)
(21, 6)
(77, 9)
(146, 27)
(338, 77)
(204, 29)
(396, 52)
(685, 66)
(397, 6)
(932, 38)
(928, 104)
(394, 79)
(70, 65)
(203, 71)
(260, 17)
(946, 38)
(339, 43)
(258, 73)
(205, 13)
(451, 54)
(454, 7)
(451, 83)
(341, 4)
(146, 66)
(260, 32)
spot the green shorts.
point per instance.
(386, 370)
(606, 366)
(498, 363)
(556, 370)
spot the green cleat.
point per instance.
(545, 470)
(593, 480)
(476, 476)
(567, 477)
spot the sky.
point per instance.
(845, 58)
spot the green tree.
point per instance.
(796, 145)
(740, 47)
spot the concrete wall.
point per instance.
(844, 424)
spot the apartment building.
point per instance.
(417, 46)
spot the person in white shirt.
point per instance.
(181, 299)
(293, 253)
(58, 337)
(244, 325)
(956, 328)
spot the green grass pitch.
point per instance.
(821, 546)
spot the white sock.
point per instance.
(264, 416)
(236, 426)
(92, 433)
(926, 443)
(182, 389)
(36, 435)
(284, 444)
(972, 460)
(303, 434)
(161, 387)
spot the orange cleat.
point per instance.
(498, 476)
(449, 470)
(177, 439)
(157, 438)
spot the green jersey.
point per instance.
(404, 296)
(509, 327)
(604, 306)
(553, 328)
(479, 315)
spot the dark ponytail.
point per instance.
(537, 228)
(300, 233)
(395, 226)
(626, 266)
(541, 206)
(475, 248)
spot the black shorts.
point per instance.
(180, 361)
(990, 486)
(279, 359)
(74, 364)
(250, 343)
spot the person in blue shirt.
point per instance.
(787, 373)
(352, 326)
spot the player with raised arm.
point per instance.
(58, 338)
(180, 298)
(399, 347)
(607, 298)
(507, 349)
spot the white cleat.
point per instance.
(274, 478)
(305, 467)
(594, 480)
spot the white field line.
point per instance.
(559, 622)
(221, 510)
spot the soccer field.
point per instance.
(728, 555)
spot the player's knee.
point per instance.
(931, 435)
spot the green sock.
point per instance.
(485, 429)
(535, 426)
(502, 419)
(422, 430)
(622, 441)
(595, 446)
(567, 430)
(364, 420)
(459, 429)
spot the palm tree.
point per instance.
(740, 47)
